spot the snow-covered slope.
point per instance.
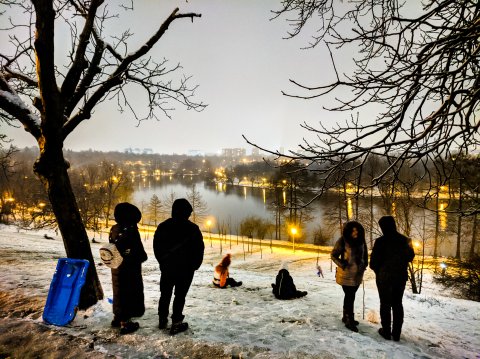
(247, 321)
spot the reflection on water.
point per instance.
(442, 216)
(349, 208)
(234, 202)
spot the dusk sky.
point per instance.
(240, 61)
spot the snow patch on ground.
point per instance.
(246, 322)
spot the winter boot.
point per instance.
(129, 327)
(350, 322)
(384, 333)
(344, 320)
(115, 323)
(178, 327)
(162, 323)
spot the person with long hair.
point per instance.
(350, 254)
(221, 275)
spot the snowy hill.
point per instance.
(243, 322)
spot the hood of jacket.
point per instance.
(347, 233)
(387, 225)
(181, 209)
(127, 213)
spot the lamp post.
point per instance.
(209, 223)
(293, 231)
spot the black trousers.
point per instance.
(349, 298)
(181, 281)
(391, 294)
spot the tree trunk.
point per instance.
(474, 236)
(459, 226)
(437, 220)
(51, 168)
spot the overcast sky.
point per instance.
(237, 56)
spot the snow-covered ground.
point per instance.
(243, 322)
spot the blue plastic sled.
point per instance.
(64, 293)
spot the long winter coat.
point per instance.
(350, 255)
(178, 243)
(127, 282)
(391, 253)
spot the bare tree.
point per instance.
(415, 64)
(97, 69)
(200, 208)
(154, 209)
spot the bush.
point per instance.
(463, 277)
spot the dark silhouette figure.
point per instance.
(284, 288)
(221, 275)
(127, 282)
(350, 254)
(389, 260)
(178, 246)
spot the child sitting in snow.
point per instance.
(221, 278)
(284, 288)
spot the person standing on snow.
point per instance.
(391, 254)
(127, 282)
(221, 275)
(350, 254)
(178, 246)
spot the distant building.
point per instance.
(255, 152)
(195, 153)
(234, 152)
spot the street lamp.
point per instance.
(443, 265)
(293, 231)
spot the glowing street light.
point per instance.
(293, 231)
(443, 265)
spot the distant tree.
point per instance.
(154, 209)
(7, 165)
(200, 208)
(92, 71)
(168, 203)
(415, 64)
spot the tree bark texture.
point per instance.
(51, 168)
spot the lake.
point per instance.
(231, 204)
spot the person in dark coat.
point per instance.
(178, 246)
(350, 254)
(127, 282)
(391, 254)
(284, 288)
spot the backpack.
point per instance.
(110, 255)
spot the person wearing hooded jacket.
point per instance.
(178, 246)
(284, 287)
(127, 282)
(350, 254)
(389, 260)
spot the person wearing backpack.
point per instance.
(221, 275)
(391, 254)
(350, 254)
(178, 246)
(127, 282)
(284, 288)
